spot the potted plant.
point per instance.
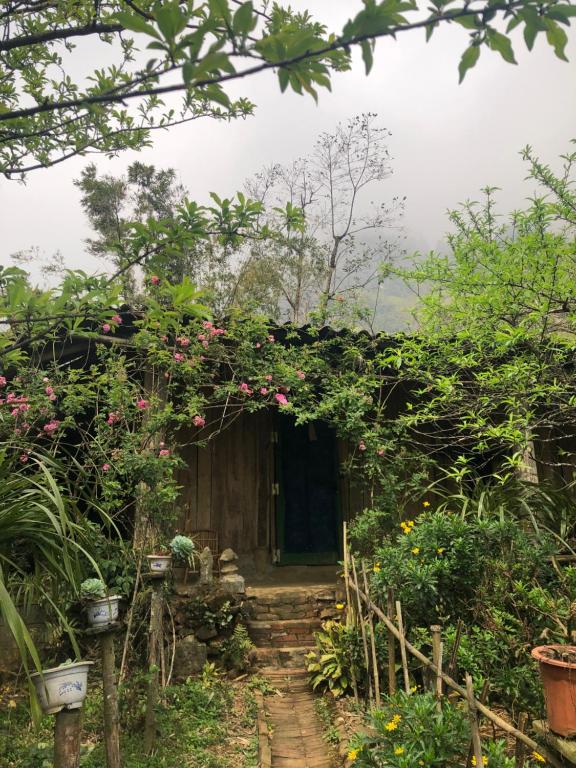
(181, 548)
(160, 561)
(558, 673)
(62, 687)
(101, 609)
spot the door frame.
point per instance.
(302, 558)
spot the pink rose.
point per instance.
(245, 389)
(268, 377)
(301, 375)
(179, 357)
(361, 445)
(117, 319)
(24, 407)
(10, 397)
(207, 324)
(198, 421)
(142, 404)
(380, 451)
(154, 279)
(24, 458)
(205, 343)
(15, 412)
(263, 391)
(2, 381)
(183, 341)
(106, 327)
(51, 427)
(113, 418)
(281, 399)
(52, 397)
(106, 467)
(258, 345)
(271, 339)
(49, 391)
(217, 331)
(164, 339)
(201, 337)
(164, 452)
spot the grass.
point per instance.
(202, 724)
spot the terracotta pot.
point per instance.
(559, 681)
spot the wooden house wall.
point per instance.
(227, 485)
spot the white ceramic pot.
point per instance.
(62, 687)
(103, 612)
(159, 563)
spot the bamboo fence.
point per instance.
(361, 609)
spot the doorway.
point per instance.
(307, 509)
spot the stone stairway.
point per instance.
(283, 620)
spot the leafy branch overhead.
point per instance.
(196, 49)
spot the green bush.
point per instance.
(237, 649)
(337, 654)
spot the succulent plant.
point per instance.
(182, 548)
(92, 589)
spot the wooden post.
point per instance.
(473, 716)
(110, 694)
(154, 640)
(403, 647)
(391, 644)
(520, 751)
(362, 628)
(372, 639)
(349, 610)
(436, 631)
(67, 738)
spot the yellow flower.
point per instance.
(484, 760)
(391, 725)
(377, 568)
(353, 754)
(425, 503)
(399, 751)
(414, 689)
(440, 550)
(12, 704)
(396, 718)
(415, 550)
(340, 606)
(539, 757)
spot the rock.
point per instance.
(233, 583)
(228, 556)
(229, 568)
(205, 633)
(189, 657)
(206, 566)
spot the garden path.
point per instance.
(292, 733)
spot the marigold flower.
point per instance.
(484, 760)
(425, 503)
(353, 754)
(391, 725)
(537, 756)
(397, 718)
(440, 550)
(340, 606)
(376, 568)
(399, 751)
(415, 550)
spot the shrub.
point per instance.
(237, 649)
(336, 654)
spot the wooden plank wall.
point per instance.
(227, 485)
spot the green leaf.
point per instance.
(367, 55)
(468, 60)
(136, 23)
(283, 78)
(244, 19)
(557, 38)
(500, 43)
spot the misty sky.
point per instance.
(447, 140)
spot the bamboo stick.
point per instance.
(520, 751)
(437, 649)
(391, 644)
(482, 708)
(349, 609)
(362, 628)
(403, 647)
(454, 655)
(473, 716)
(372, 641)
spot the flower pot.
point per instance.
(62, 687)
(102, 612)
(159, 563)
(559, 681)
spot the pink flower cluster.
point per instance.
(245, 389)
(51, 427)
(184, 341)
(142, 404)
(164, 452)
(198, 421)
(179, 357)
(154, 279)
(113, 417)
(281, 399)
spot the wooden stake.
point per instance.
(454, 655)
(110, 694)
(362, 628)
(67, 738)
(473, 716)
(436, 631)
(403, 646)
(391, 644)
(349, 610)
(154, 640)
(520, 752)
(372, 640)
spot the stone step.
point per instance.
(288, 658)
(288, 632)
(286, 603)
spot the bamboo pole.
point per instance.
(520, 751)
(349, 610)
(391, 644)
(482, 708)
(454, 655)
(154, 640)
(403, 647)
(362, 628)
(372, 641)
(110, 695)
(473, 717)
(437, 652)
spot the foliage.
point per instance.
(237, 650)
(92, 589)
(330, 665)
(49, 113)
(409, 730)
